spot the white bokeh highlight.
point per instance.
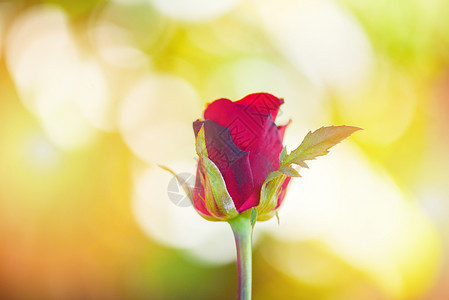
(66, 91)
(321, 39)
(149, 125)
(194, 10)
(115, 46)
(176, 226)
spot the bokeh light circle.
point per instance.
(68, 92)
(194, 10)
(156, 118)
(178, 226)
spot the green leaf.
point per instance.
(289, 171)
(318, 143)
(218, 201)
(253, 216)
(283, 155)
(303, 165)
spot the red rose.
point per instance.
(243, 141)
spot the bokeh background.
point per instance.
(95, 94)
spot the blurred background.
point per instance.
(95, 94)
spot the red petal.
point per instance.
(252, 201)
(245, 118)
(282, 129)
(264, 103)
(251, 126)
(232, 162)
(244, 124)
(199, 195)
(264, 157)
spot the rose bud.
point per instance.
(239, 145)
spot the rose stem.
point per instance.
(241, 226)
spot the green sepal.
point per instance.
(289, 171)
(187, 189)
(269, 194)
(218, 201)
(283, 155)
(277, 217)
(272, 175)
(253, 216)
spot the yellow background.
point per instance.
(95, 94)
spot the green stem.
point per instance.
(241, 226)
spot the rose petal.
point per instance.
(282, 129)
(244, 122)
(264, 103)
(251, 125)
(232, 162)
(252, 201)
(199, 194)
(265, 141)
(246, 118)
(264, 157)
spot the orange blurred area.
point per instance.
(95, 94)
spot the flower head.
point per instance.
(244, 143)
